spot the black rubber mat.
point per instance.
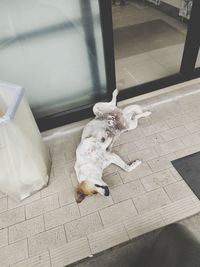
(189, 168)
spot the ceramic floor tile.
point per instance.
(149, 197)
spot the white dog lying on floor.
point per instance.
(93, 153)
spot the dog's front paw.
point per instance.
(136, 163)
(115, 92)
(133, 165)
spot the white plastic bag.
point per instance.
(24, 160)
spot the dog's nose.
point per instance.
(106, 192)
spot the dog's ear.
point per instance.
(79, 197)
(80, 193)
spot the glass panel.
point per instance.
(54, 50)
(149, 38)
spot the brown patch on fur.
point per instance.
(79, 197)
(1, 113)
(84, 189)
(120, 122)
(118, 119)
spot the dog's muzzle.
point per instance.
(106, 189)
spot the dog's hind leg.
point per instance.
(143, 115)
(102, 108)
(134, 123)
(132, 111)
(115, 159)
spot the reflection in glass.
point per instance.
(54, 50)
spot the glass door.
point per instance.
(54, 49)
(156, 44)
(149, 38)
(62, 52)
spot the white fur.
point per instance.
(93, 153)
(92, 158)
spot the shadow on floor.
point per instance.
(172, 246)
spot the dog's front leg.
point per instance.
(115, 159)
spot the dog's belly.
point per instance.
(95, 159)
(93, 128)
(91, 161)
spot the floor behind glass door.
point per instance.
(149, 41)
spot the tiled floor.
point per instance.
(148, 43)
(51, 229)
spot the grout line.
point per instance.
(27, 247)
(132, 76)
(7, 203)
(65, 233)
(48, 250)
(135, 206)
(168, 194)
(126, 230)
(101, 219)
(44, 222)
(25, 215)
(8, 236)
